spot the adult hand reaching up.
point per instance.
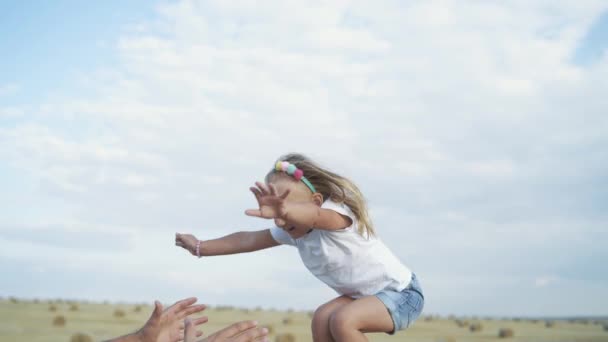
(167, 325)
(245, 331)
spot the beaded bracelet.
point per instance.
(293, 171)
(198, 248)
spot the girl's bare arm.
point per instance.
(240, 242)
(310, 215)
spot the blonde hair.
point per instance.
(332, 186)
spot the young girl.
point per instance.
(325, 217)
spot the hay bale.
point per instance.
(475, 327)
(286, 337)
(59, 321)
(287, 320)
(81, 337)
(505, 333)
(119, 313)
(74, 307)
(137, 308)
(460, 323)
(549, 324)
(52, 308)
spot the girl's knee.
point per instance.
(321, 314)
(320, 320)
(340, 322)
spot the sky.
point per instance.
(476, 130)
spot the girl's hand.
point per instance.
(187, 242)
(272, 205)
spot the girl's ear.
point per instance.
(317, 198)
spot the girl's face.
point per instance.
(298, 192)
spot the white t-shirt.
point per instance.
(347, 262)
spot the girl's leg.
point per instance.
(367, 314)
(320, 320)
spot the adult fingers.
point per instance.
(201, 320)
(252, 334)
(196, 322)
(181, 305)
(191, 310)
(236, 328)
(158, 309)
(189, 331)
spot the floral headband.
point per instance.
(293, 171)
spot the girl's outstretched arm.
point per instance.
(239, 242)
(311, 215)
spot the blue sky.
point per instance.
(477, 132)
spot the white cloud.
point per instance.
(544, 281)
(9, 89)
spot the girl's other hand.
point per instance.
(272, 205)
(187, 242)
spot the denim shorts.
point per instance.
(405, 306)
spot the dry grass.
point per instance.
(97, 321)
(74, 307)
(287, 320)
(137, 308)
(80, 337)
(52, 308)
(447, 339)
(270, 329)
(286, 337)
